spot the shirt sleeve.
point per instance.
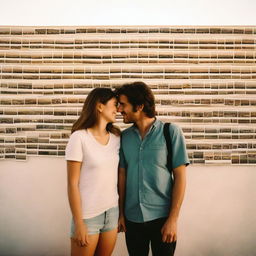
(74, 149)
(122, 162)
(179, 152)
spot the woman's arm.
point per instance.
(81, 235)
(121, 192)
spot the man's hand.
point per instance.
(169, 231)
(121, 224)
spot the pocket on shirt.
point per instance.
(157, 146)
(157, 155)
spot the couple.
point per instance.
(127, 187)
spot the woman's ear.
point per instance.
(99, 107)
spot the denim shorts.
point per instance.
(106, 221)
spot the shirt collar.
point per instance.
(155, 124)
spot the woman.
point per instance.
(92, 156)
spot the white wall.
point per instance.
(218, 215)
(127, 12)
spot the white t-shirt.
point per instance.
(98, 177)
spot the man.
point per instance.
(150, 199)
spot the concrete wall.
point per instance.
(217, 218)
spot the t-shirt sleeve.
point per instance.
(179, 152)
(74, 149)
(122, 162)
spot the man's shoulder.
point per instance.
(174, 129)
(127, 131)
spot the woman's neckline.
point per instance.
(95, 139)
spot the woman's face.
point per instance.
(109, 110)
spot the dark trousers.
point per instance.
(139, 235)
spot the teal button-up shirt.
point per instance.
(148, 181)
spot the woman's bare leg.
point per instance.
(106, 243)
(85, 250)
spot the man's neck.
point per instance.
(144, 124)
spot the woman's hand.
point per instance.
(81, 237)
(121, 224)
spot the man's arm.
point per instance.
(121, 192)
(169, 229)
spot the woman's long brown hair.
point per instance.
(89, 115)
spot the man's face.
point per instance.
(126, 109)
